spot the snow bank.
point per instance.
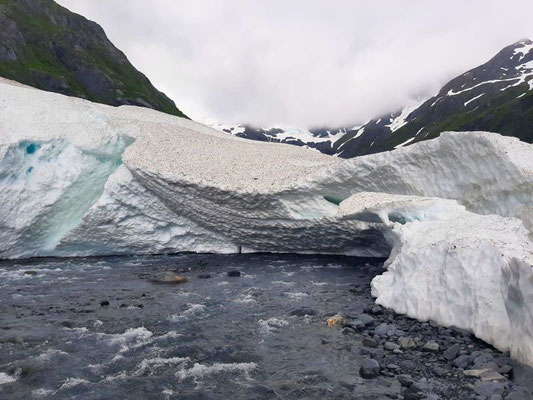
(455, 267)
(486, 172)
(78, 178)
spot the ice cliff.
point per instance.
(453, 214)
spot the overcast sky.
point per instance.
(305, 63)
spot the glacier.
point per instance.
(453, 214)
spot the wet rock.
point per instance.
(374, 310)
(501, 361)
(302, 312)
(30, 272)
(406, 343)
(204, 276)
(483, 359)
(431, 346)
(391, 346)
(506, 369)
(405, 380)
(493, 376)
(369, 342)
(357, 325)
(168, 277)
(452, 352)
(370, 368)
(336, 320)
(104, 303)
(234, 274)
(463, 361)
(489, 388)
(348, 331)
(385, 330)
(519, 393)
(366, 319)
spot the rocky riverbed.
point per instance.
(239, 327)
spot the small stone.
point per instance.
(391, 346)
(431, 346)
(406, 343)
(492, 376)
(463, 361)
(234, 274)
(369, 342)
(483, 359)
(439, 371)
(366, 319)
(501, 361)
(302, 312)
(519, 393)
(168, 277)
(452, 352)
(204, 276)
(489, 388)
(393, 367)
(370, 368)
(336, 320)
(506, 369)
(357, 324)
(104, 303)
(374, 310)
(418, 387)
(405, 380)
(348, 331)
(476, 373)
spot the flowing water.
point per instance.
(217, 338)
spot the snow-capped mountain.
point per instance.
(320, 139)
(496, 96)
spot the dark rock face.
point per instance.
(48, 47)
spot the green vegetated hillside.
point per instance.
(48, 47)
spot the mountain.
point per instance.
(496, 96)
(320, 139)
(48, 47)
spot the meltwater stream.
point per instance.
(99, 328)
(217, 338)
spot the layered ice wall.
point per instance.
(453, 214)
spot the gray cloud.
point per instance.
(305, 62)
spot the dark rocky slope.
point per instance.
(48, 47)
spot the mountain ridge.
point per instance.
(496, 96)
(46, 46)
